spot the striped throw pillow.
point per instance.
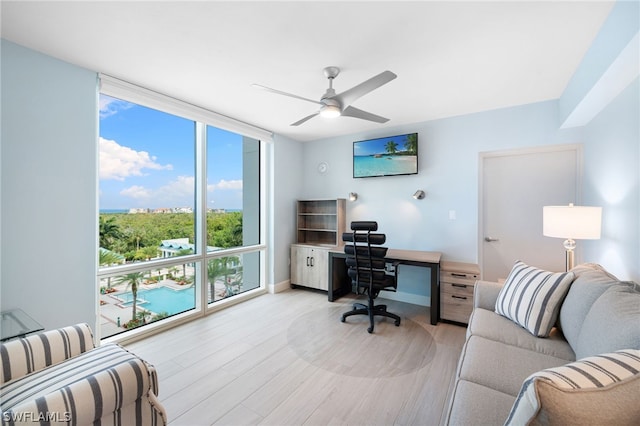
(531, 297)
(597, 390)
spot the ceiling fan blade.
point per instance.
(279, 92)
(347, 97)
(299, 122)
(358, 113)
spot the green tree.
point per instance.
(391, 147)
(109, 231)
(106, 258)
(411, 144)
(184, 252)
(216, 268)
(132, 280)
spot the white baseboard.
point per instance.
(278, 287)
(414, 299)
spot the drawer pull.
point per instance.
(459, 285)
(459, 297)
(459, 275)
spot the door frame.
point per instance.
(576, 147)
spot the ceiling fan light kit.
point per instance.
(334, 105)
(330, 111)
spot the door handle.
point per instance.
(490, 239)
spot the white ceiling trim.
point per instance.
(126, 91)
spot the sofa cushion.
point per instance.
(613, 322)
(597, 390)
(590, 282)
(499, 366)
(492, 326)
(531, 297)
(474, 404)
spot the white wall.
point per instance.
(48, 179)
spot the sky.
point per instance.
(377, 146)
(147, 160)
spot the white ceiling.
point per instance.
(451, 57)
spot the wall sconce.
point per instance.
(419, 194)
(353, 196)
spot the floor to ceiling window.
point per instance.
(180, 208)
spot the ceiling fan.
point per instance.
(334, 105)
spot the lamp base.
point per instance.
(569, 246)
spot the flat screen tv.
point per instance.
(388, 156)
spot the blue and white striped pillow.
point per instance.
(531, 297)
(601, 389)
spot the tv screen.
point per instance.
(388, 156)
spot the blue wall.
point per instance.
(449, 158)
(49, 181)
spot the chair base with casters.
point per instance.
(365, 259)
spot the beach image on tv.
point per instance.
(388, 156)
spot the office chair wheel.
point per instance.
(397, 323)
(370, 330)
(343, 319)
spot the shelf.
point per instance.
(320, 222)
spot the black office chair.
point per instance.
(367, 270)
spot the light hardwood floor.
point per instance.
(286, 359)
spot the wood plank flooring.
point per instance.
(286, 359)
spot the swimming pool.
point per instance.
(162, 299)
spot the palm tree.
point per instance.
(107, 257)
(391, 147)
(218, 267)
(109, 231)
(411, 144)
(132, 280)
(184, 252)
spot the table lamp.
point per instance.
(573, 223)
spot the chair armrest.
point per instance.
(33, 353)
(485, 294)
(124, 393)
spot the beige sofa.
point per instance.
(507, 375)
(59, 377)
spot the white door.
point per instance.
(515, 185)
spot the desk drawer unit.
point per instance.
(457, 281)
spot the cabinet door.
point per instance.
(299, 260)
(319, 270)
(310, 267)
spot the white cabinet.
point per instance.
(310, 266)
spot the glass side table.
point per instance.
(15, 323)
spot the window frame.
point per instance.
(202, 118)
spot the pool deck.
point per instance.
(113, 313)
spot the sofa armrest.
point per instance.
(33, 353)
(120, 392)
(485, 294)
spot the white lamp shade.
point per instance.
(574, 222)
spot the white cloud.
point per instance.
(179, 192)
(119, 162)
(180, 188)
(137, 192)
(227, 184)
(110, 106)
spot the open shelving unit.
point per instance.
(321, 222)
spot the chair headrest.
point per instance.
(364, 226)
